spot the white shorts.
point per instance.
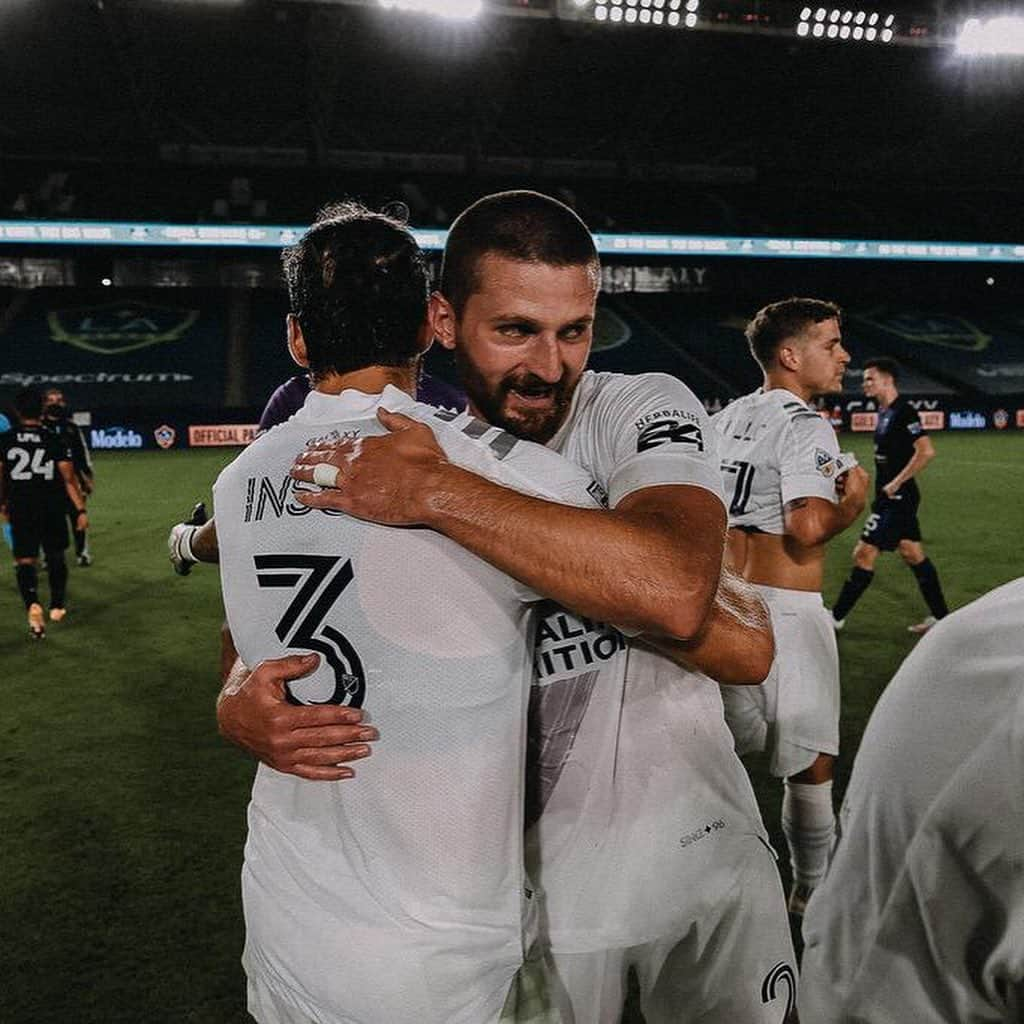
(734, 966)
(530, 998)
(795, 711)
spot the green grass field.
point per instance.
(123, 813)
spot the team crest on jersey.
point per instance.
(825, 463)
(165, 436)
(116, 327)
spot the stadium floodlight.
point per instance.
(846, 23)
(992, 37)
(457, 10)
(646, 13)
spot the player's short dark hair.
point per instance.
(518, 225)
(778, 321)
(358, 285)
(886, 365)
(28, 403)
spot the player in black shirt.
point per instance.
(36, 480)
(902, 450)
(57, 419)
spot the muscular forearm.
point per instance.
(813, 521)
(638, 568)
(736, 646)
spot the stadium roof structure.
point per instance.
(344, 87)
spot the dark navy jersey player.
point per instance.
(898, 429)
(902, 450)
(57, 419)
(36, 479)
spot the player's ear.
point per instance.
(788, 357)
(442, 320)
(296, 342)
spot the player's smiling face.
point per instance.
(823, 360)
(522, 342)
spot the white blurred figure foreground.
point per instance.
(921, 914)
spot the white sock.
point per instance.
(810, 827)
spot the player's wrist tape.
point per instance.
(79, 512)
(185, 543)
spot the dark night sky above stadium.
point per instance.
(122, 83)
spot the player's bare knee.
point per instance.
(821, 770)
(864, 556)
(911, 552)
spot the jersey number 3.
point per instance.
(320, 580)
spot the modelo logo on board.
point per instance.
(114, 437)
(967, 421)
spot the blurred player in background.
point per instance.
(37, 480)
(921, 914)
(5, 529)
(902, 450)
(789, 491)
(57, 419)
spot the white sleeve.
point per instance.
(808, 459)
(519, 465)
(657, 432)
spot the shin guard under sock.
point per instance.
(809, 825)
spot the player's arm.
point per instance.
(67, 471)
(190, 542)
(736, 645)
(314, 742)
(651, 564)
(924, 452)
(816, 505)
(812, 521)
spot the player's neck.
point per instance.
(371, 380)
(886, 398)
(775, 381)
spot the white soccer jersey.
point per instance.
(774, 449)
(648, 816)
(921, 913)
(397, 897)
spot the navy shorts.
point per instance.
(33, 529)
(890, 522)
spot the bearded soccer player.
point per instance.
(403, 900)
(647, 837)
(921, 914)
(902, 450)
(790, 491)
(36, 480)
